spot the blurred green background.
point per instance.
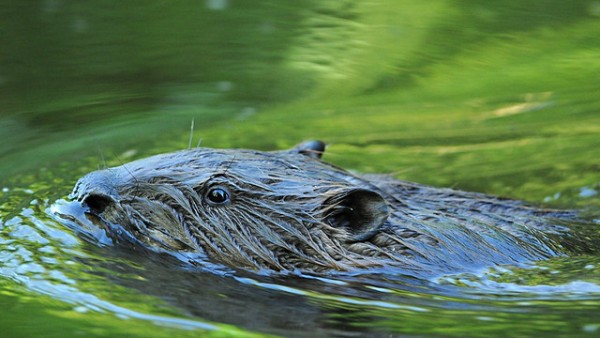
(506, 92)
(501, 97)
(498, 97)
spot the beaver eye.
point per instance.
(217, 196)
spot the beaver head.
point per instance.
(282, 210)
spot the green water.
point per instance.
(498, 97)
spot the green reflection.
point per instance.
(499, 97)
(42, 316)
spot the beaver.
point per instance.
(290, 211)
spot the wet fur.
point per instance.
(290, 211)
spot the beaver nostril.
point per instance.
(97, 202)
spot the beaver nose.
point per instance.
(97, 190)
(97, 202)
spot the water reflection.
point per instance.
(43, 256)
(497, 97)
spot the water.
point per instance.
(492, 97)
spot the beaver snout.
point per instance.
(97, 203)
(96, 191)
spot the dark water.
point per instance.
(498, 97)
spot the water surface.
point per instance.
(500, 98)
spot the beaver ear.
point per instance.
(312, 149)
(362, 212)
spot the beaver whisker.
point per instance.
(104, 166)
(135, 180)
(191, 134)
(227, 165)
